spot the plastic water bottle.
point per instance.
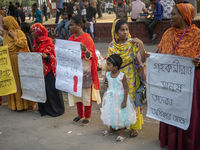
(103, 69)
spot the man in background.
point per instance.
(11, 10)
(121, 10)
(72, 8)
(64, 23)
(168, 5)
(59, 10)
(137, 8)
(83, 12)
(37, 14)
(44, 7)
(153, 21)
(99, 11)
(91, 13)
(20, 16)
(29, 12)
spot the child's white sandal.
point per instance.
(120, 139)
(106, 133)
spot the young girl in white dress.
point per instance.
(118, 109)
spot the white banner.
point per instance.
(170, 89)
(53, 5)
(32, 77)
(69, 68)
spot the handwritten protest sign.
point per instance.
(170, 89)
(32, 77)
(7, 81)
(69, 67)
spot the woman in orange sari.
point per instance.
(89, 62)
(188, 46)
(17, 42)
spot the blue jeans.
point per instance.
(58, 15)
(64, 23)
(89, 32)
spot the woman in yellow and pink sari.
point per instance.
(126, 47)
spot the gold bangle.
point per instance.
(89, 57)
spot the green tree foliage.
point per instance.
(5, 3)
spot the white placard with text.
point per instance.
(69, 68)
(170, 89)
(32, 77)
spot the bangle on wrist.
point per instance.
(86, 50)
(88, 57)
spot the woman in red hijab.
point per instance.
(54, 105)
(89, 62)
(188, 46)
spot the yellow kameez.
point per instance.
(17, 44)
(125, 51)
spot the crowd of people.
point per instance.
(122, 77)
(83, 8)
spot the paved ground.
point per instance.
(28, 130)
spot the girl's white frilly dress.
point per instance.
(111, 113)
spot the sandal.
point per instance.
(106, 133)
(154, 37)
(77, 119)
(31, 108)
(120, 139)
(85, 122)
(37, 111)
(134, 133)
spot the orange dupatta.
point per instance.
(189, 45)
(87, 40)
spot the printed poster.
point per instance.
(69, 71)
(170, 89)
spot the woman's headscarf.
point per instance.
(2, 13)
(44, 44)
(114, 34)
(189, 45)
(11, 24)
(187, 11)
(125, 50)
(2, 31)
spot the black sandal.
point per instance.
(77, 119)
(85, 122)
(134, 133)
(154, 37)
